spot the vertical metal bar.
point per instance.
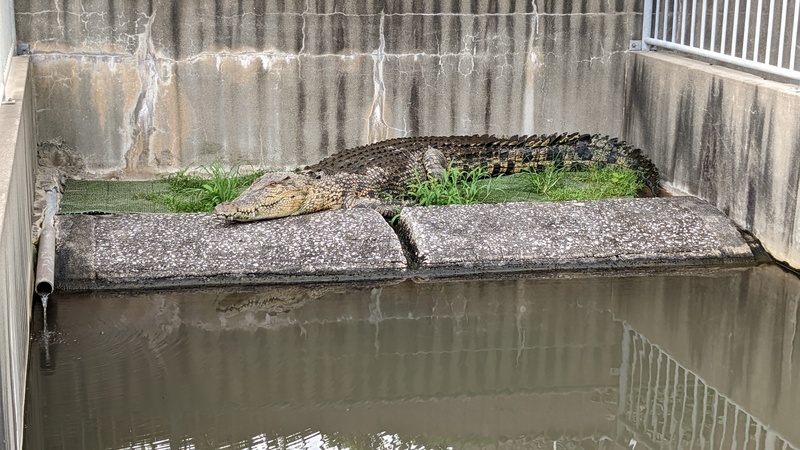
(759, 429)
(746, 431)
(666, 15)
(647, 22)
(724, 422)
(703, 26)
(703, 419)
(650, 398)
(758, 32)
(746, 35)
(683, 403)
(782, 35)
(735, 30)
(640, 355)
(674, 402)
(715, 418)
(724, 26)
(675, 21)
(694, 22)
(695, 412)
(634, 356)
(658, 19)
(768, 46)
(683, 23)
(793, 54)
(666, 398)
(654, 414)
(625, 369)
(714, 25)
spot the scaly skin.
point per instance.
(367, 176)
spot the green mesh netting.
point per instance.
(97, 197)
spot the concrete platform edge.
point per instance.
(78, 238)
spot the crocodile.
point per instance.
(372, 175)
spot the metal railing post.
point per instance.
(647, 23)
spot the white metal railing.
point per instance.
(757, 34)
(6, 41)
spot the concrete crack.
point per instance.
(142, 114)
(378, 129)
(528, 93)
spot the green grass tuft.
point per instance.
(206, 187)
(543, 182)
(455, 187)
(551, 184)
(597, 184)
(202, 192)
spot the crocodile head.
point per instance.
(274, 195)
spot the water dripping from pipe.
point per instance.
(45, 332)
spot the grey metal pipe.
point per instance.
(794, 35)
(46, 262)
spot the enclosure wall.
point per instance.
(17, 165)
(727, 137)
(138, 87)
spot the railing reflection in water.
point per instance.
(662, 404)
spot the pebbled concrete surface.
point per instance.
(166, 250)
(609, 234)
(163, 250)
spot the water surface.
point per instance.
(706, 360)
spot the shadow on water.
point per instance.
(706, 360)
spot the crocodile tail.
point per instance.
(604, 151)
(626, 155)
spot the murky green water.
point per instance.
(710, 360)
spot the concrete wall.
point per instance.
(137, 87)
(730, 138)
(17, 166)
(7, 40)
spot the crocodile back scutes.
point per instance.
(402, 158)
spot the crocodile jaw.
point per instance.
(274, 195)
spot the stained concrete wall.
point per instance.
(730, 138)
(150, 86)
(17, 166)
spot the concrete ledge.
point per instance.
(724, 136)
(162, 250)
(168, 250)
(611, 234)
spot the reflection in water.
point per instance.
(707, 360)
(664, 405)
